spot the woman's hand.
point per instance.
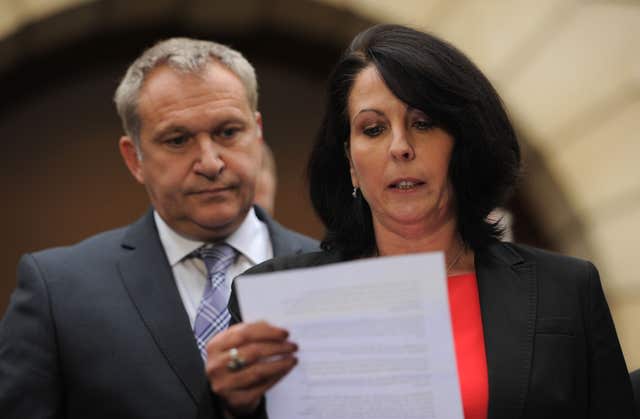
(263, 355)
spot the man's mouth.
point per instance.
(215, 190)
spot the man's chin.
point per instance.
(218, 227)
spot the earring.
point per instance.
(354, 194)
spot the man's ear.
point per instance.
(258, 116)
(130, 156)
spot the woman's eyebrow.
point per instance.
(367, 110)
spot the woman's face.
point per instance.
(398, 159)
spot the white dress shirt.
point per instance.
(251, 240)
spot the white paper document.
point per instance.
(374, 335)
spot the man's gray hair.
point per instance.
(183, 54)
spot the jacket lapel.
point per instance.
(149, 281)
(508, 294)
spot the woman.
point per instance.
(414, 152)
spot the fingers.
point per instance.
(242, 333)
(266, 354)
(253, 352)
(253, 375)
(253, 342)
(246, 401)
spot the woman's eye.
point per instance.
(373, 131)
(423, 124)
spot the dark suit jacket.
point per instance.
(98, 330)
(552, 349)
(635, 382)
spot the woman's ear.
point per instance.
(352, 171)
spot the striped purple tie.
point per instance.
(212, 316)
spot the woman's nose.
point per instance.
(401, 148)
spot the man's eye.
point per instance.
(177, 141)
(373, 131)
(229, 132)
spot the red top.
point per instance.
(468, 338)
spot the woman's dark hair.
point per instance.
(427, 74)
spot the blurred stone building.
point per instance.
(568, 70)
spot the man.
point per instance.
(109, 327)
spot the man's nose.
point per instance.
(209, 160)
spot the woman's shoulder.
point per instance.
(555, 273)
(562, 286)
(302, 260)
(515, 253)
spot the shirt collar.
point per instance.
(177, 247)
(244, 239)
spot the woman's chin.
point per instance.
(406, 220)
(411, 220)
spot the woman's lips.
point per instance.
(406, 184)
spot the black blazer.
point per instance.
(98, 330)
(552, 349)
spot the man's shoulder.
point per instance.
(306, 243)
(284, 240)
(96, 245)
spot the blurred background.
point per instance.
(568, 70)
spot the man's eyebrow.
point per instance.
(179, 128)
(169, 129)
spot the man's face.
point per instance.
(266, 183)
(200, 149)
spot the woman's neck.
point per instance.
(418, 239)
(400, 238)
